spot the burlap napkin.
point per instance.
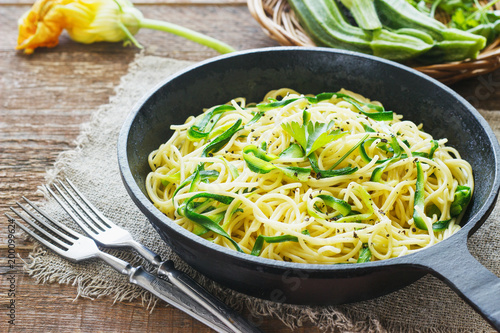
(426, 306)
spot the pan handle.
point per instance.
(479, 287)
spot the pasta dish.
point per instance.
(327, 178)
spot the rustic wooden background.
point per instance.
(45, 97)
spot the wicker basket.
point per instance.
(280, 23)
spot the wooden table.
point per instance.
(45, 97)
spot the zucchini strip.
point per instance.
(365, 255)
(329, 173)
(259, 162)
(221, 140)
(349, 152)
(259, 242)
(206, 175)
(207, 123)
(339, 205)
(419, 199)
(461, 200)
(206, 221)
(293, 151)
(365, 197)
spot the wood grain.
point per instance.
(44, 99)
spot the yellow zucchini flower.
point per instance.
(41, 26)
(89, 21)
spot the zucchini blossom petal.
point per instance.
(40, 26)
(100, 20)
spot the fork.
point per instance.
(76, 247)
(108, 234)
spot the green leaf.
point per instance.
(330, 172)
(312, 136)
(318, 136)
(297, 131)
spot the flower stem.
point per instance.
(178, 30)
(131, 37)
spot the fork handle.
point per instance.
(172, 295)
(185, 283)
(146, 253)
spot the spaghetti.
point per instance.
(331, 178)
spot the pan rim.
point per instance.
(145, 205)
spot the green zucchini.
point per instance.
(364, 13)
(451, 44)
(451, 50)
(327, 26)
(397, 46)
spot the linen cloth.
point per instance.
(425, 306)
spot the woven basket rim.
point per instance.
(280, 23)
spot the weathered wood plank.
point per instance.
(45, 97)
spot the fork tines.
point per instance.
(79, 207)
(44, 228)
